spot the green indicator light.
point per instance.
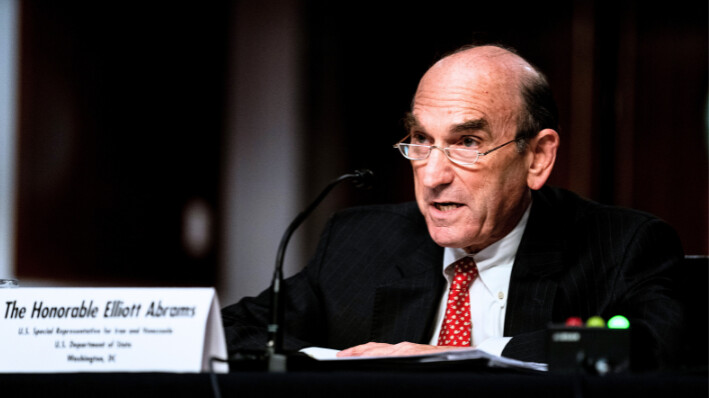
(618, 322)
(595, 322)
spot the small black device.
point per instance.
(590, 350)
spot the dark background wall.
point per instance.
(121, 114)
(630, 80)
(122, 109)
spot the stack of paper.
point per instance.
(458, 355)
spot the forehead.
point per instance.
(459, 89)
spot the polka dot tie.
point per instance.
(456, 326)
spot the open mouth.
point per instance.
(446, 206)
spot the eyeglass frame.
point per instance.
(446, 152)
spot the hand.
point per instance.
(382, 349)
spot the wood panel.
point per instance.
(119, 135)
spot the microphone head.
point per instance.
(364, 178)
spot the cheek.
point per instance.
(493, 188)
(478, 187)
(419, 193)
(416, 182)
(515, 176)
(418, 178)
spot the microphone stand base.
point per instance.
(258, 361)
(276, 363)
(249, 361)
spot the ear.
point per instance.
(542, 157)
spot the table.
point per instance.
(361, 384)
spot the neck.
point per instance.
(510, 224)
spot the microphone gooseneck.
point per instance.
(274, 348)
(363, 179)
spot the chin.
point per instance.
(446, 238)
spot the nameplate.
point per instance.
(110, 330)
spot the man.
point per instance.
(482, 142)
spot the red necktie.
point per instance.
(456, 327)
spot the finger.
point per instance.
(381, 349)
(360, 350)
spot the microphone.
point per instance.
(362, 179)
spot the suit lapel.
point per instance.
(404, 307)
(539, 259)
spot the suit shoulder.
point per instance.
(404, 212)
(376, 224)
(575, 208)
(574, 216)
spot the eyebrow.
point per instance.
(410, 122)
(476, 124)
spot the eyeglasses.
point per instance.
(462, 156)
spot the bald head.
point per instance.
(496, 61)
(508, 81)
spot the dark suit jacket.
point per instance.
(377, 276)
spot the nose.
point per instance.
(437, 170)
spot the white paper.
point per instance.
(110, 330)
(320, 353)
(327, 354)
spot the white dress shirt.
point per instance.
(488, 293)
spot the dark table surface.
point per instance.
(364, 384)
